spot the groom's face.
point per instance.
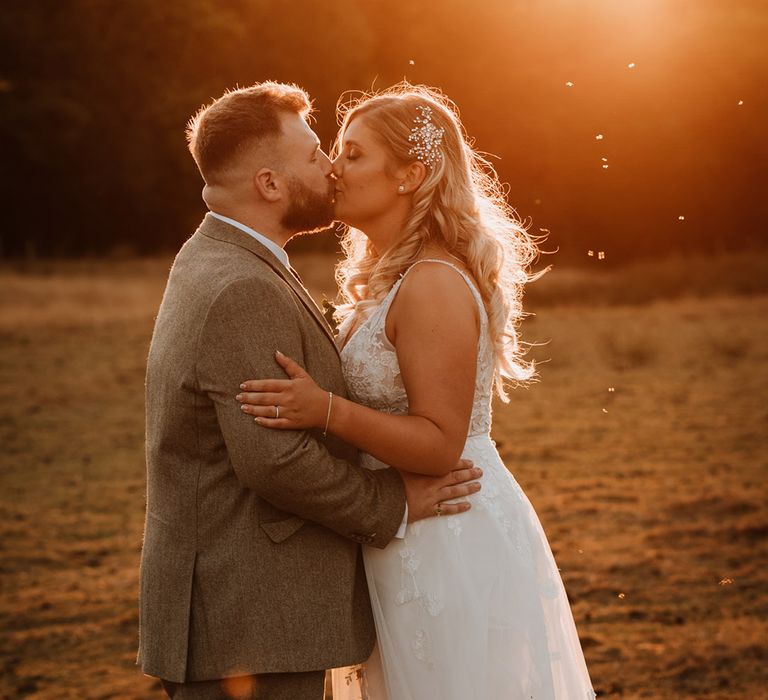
(307, 173)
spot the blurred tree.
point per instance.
(94, 96)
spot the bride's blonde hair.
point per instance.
(460, 206)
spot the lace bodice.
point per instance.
(372, 371)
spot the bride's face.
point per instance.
(367, 183)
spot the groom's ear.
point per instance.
(266, 184)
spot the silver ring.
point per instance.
(277, 412)
(439, 509)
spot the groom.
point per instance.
(252, 581)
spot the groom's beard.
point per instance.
(308, 210)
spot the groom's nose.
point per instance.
(325, 163)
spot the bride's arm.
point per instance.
(433, 324)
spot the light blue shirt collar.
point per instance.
(279, 253)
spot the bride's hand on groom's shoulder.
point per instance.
(293, 403)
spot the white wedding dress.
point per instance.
(467, 607)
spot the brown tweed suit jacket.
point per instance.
(251, 560)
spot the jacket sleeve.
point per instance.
(247, 321)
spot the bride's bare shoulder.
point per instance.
(436, 287)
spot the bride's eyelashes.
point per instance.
(350, 151)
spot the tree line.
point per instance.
(628, 134)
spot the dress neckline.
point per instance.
(347, 338)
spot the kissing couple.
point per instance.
(335, 501)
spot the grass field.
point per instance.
(644, 449)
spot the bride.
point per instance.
(470, 606)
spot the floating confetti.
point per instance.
(630, 65)
(411, 62)
(569, 84)
(599, 137)
(605, 166)
(621, 595)
(580, 551)
(601, 255)
(740, 102)
(605, 410)
(590, 253)
(544, 230)
(681, 218)
(605, 160)
(611, 389)
(725, 581)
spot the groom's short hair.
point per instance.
(238, 119)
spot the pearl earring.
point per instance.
(401, 189)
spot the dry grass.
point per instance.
(653, 494)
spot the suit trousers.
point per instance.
(309, 685)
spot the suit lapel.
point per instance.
(222, 231)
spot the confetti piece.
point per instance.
(621, 595)
(610, 388)
(605, 166)
(544, 230)
(599, 137)
(726, 581)
(601, 255)
(740, 102)
(590, 253)
(411, 62)
(569, 84)
(630, 65)
(580, 551)
(681, 218)
(605, 160)
(605, 410)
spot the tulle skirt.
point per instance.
(470, 606)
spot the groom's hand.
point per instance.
(427, 495)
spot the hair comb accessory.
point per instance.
(426, 138)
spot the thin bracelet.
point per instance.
(328, 417)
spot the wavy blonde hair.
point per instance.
(460, 206)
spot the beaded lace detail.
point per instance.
(373, 372)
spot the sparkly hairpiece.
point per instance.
(426, 138)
